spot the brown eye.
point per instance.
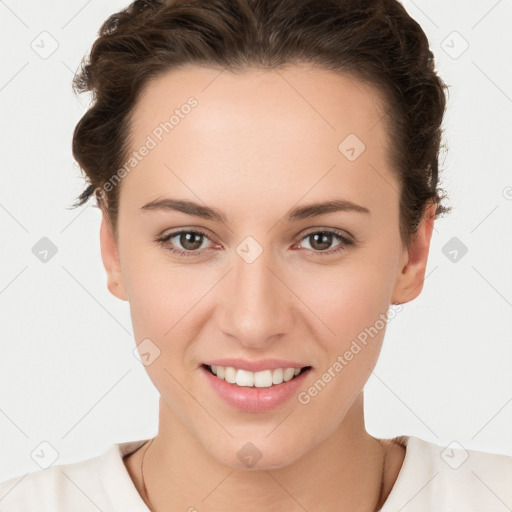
(190, 240)
(184, 242)
(322, 241)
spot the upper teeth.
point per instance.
(263, 379)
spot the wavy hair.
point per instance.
(375, 41)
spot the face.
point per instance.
(251, 275)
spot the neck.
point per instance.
(343, 472)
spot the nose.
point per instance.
(254, 305)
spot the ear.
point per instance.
(111, 262)
(409, 282)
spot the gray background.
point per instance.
(68, 376)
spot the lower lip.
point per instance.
(252, 399)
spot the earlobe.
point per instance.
(111, 262)
(409, 283)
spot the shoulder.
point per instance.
(53, 488)
(446, 478)
(86, 485)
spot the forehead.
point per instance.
(272, 125)
(301, 94)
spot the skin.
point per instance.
(259, 143)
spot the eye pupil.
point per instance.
(188, 238)
(322, 241)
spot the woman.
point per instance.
(267, 173)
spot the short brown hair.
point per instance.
(375, 41)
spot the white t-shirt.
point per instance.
(432, 478)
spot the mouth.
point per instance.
(261, 379)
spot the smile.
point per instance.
(261, 379)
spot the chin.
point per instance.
(259, 454)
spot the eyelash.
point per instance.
(345, 241)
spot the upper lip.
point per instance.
(255, 366)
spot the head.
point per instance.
(255, 111)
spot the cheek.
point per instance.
(152, 299)
(164, 296)
(355, 317)
(353, 304)
(348, 297)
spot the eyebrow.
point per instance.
(295, 214)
